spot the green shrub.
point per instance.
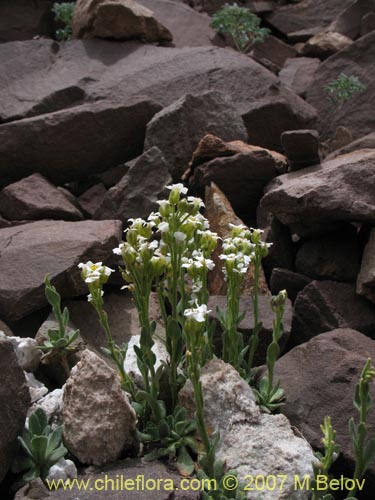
(343, 89)
(64, 14)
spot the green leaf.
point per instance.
(39, 447)
(368, 455)
(184, 464)
(153, 455)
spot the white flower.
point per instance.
(163, 227)
(199, 313)
(118, 250)
(179, 236)
(179, 188)
(94, 272)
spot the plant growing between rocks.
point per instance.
(343, 89)
(240, 24)
(64, 14)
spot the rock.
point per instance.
(332, 363)
(36, 198)
(319, 197)
(353, 114)
(27, 354)
(220, 215)
(178, 128)
(54, 247)
(367, 23)
(250, 442)
(306, 14)
(297, 73)
(266, 316)
(113, 175)
(366, 277)
(23, 20)
(266, 119)
(323, 306)
(299, 37)
(91, 199)
(281, 252)
(188, 27)
(118, 19)
(325, 44)
(301, 148)
(284, 279)
(51, 404)
(335, 256)
(14, 403)
(70, 144)
(136, 193)
(98, 420)
(349, 21)
(98, 68)
(242, 178)
(37, 389)
(365, 142)
(34, 490)
(4, 328)
(273, 50)
(62, 470)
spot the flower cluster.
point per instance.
(95, 275)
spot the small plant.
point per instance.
(42, 448)
(64, 14)
(59, 343)
(343, 89)
(242, 25)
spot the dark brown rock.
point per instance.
(281, 252)
(55, 247)
(35, 198)
(365, 142)
(266, 119)
(70, 144)
(14, 403)
(91, 199)
(335, 256)
(366, 277)
(301, 148)
(284, 279)
(349, 21)
(117, 19)
(297, 73)
(367, 23)
(319, 379)
(136, 193)
(325, 305)
(177, 129)
(317, 198)
(325, 44)
(354, 60)
(273, 50)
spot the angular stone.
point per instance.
(27, 353)
(91, 199)
(355, 60)
(349, 21)
(220, 215)
(325, 44)
(35, 198)
(14, 403)
(177, 129)
(136, 193)
(318, 198)
(55, 247)
(297, 73)
(367, 23)
(301, 148)
(332, 364)
(266, 119)
(335, 256)
(274, 50)
(325, 305)
(99, 422)
(284, 279)
(266, 316)
(365, 142)
(366, 277)
(281, 253)
(118, 19)
(73, 143)
(250, 442)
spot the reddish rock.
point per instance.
(325, 44)
(273, 50)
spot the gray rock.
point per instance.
(251, 442)
(297, 73)
(366, 277)
(317, 198)
(62, 470)
(99, 422)
(178, 128)
(324, 305)
(37, 389)
(27, 354)
(14, 403)
(136, 193)
(301, 148)
(54, 247)
(35, 198)
(51, 404)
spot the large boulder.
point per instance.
(319, 197)
(250, 441)
(324, 44)
(35, 198)
(32, 250)
(99, 422)
(356, 60)
(325, 305)
(178, 128)
(14, 403)
(137, 192)
(72, 143)
(349, 21)
(298, 73)
(118, 19)
(319, 378)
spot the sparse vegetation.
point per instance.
(64, 15)
(343, 89)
